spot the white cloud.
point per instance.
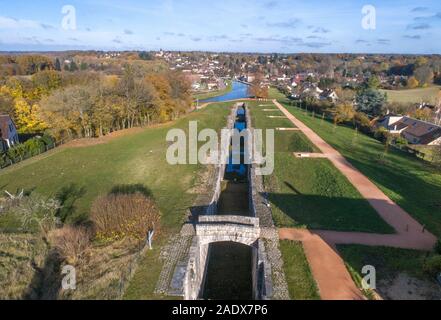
(11, 23)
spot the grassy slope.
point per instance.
(311, 192)
(413, 95)
(133, 159)
(301, 284)
(274, 93)
(411, 183)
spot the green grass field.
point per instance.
(418, 95)
(388, 263)
(312, 193)
(301, 284)
(274, 93)
(79, 175)
(410, 182)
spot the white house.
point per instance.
(413, 130)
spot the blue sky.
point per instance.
(224, 25)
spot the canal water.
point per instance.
(229, 272)
(239, 91)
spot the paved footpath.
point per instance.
(410, 234)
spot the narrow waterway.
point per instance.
(239, 91)
(229, 272)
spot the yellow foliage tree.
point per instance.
(344, 112)
(27, 117)
(412, 83)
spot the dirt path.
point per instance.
(320, 246)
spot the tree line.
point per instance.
(92, 104)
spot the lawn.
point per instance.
(274, 93)
(79, 175)
(301, 284)
(285, 141)
(312, 193)
(418, 95)
(411, 183)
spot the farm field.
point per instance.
(418, 95)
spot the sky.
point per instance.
(284, 26)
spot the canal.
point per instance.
(239, 91)
(229, 271)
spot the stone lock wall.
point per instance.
(246, 230)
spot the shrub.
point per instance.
(344, 113)
(117, 216)
(362, 122)
(432, 266)
(35, 211)
(401, 142)
(71, 242)
(382, 135)
(34, 146)
(47, 140)
(17, 152)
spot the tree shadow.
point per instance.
(327, 213)
(46, 283)
(131, 189)
(67, 196)
(289, 185)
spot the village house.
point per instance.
(413, 130)
(329, 95)
(8, 133)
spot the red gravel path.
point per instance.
(328, 268)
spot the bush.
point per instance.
(34, 147)
(362, 122)
(36, 212)
(432, 266)
(117, 216)
(401, 142)
(382, 135)
(17, 152)
(48, 140)
(71, 242)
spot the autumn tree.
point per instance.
(257, 89)
(412, 83)
(373, 82)
(424, 75)
(344, 113)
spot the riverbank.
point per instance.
(213, 94)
